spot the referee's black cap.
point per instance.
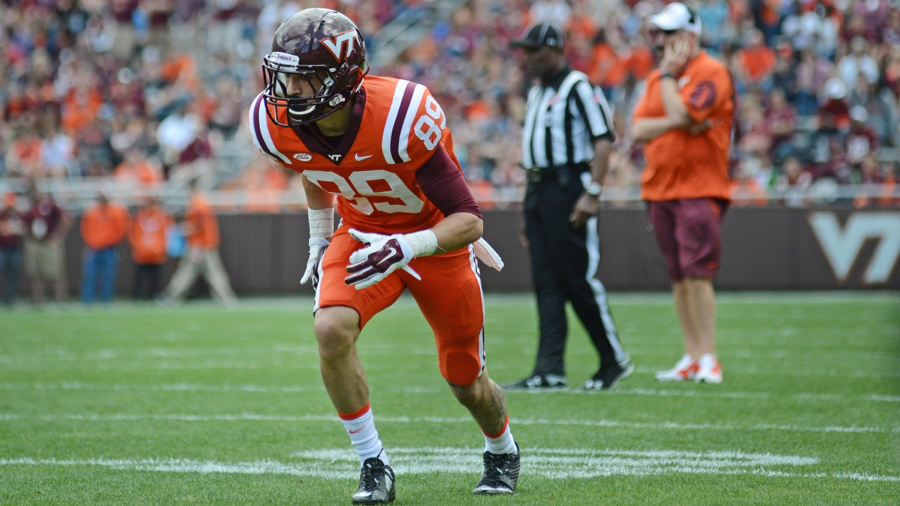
(541, 34)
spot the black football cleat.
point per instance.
(501, 472)
(608, 377)
(376, 483)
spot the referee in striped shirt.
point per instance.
(567, 138)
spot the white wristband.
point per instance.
(423, 242)
(321, 222)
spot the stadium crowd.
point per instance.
(146, 91)
(818, 84)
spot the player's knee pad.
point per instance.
(460, 367)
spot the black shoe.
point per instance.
(539, 382)
(376, 483)
(501, 472)
(607, 377)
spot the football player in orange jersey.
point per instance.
(380, 149)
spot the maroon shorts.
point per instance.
(688, 232)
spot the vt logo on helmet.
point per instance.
(317, 64)
(341, 44)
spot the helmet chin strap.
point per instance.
(298, 114)
(302, 117)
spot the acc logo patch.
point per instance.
(303, 157)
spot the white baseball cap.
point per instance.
(859, 113)
(835, 88)
(677, 16)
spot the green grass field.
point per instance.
(201, 405)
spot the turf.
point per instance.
(202, 405)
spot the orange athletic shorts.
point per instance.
(449, 296)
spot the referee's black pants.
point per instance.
(564, 263)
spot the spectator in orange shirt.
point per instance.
(685, 119)
(202, 257)
(263, 184)
(756, 62)
(147, 236)
(23, 158)
(138, 169)
(12, 233)
(607, 69)
(103, 227)
(80, 108)
(889, 185)
(640, 62)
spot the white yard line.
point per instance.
(769, 371)
(548, 463)
(289, 363)
(651, 392)
(41, 357)
(303, 304)
(254, 417)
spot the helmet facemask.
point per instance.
(332, 88)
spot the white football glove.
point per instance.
(317, 246)
(383, 255)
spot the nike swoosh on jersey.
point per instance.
(361, 158)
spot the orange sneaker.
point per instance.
(684, 370)
(709, 370)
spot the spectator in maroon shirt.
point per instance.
(124, 37)
(781, 121)
(834, 114)
(47, 225)
(793, 182)
(860, 139)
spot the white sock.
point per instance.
(360, 426)
(502, 443)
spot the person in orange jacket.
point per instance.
(147, 237)
(103, 227)
(201, 228)
(12, 233)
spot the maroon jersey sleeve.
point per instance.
(444, 185)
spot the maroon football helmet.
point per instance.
(325, 48)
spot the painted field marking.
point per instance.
(434, 419)
(548, 463)
(110, 361)
(156, 354)
(752, 370)
(653, 392)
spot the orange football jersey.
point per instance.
(395, 127)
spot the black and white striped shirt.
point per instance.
(563, 118)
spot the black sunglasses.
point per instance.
(669, 32)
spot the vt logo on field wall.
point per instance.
(843, 245)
